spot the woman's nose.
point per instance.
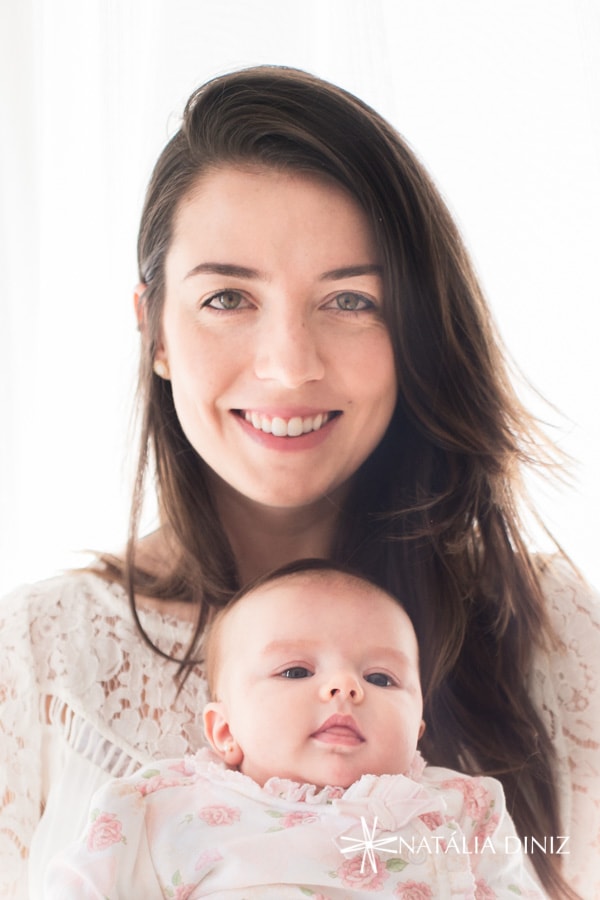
(343, 686)
(286, 351)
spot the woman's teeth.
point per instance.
(293, 427)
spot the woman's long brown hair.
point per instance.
(433, 514)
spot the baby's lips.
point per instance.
(339, 726)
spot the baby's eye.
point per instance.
(348, 301)
(380, 679)
(225, 300)
(296, 672)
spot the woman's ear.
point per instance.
(422, 728)
(219, 736)
(139, 305)
(160, 363)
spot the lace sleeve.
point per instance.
(20, 742)
(82, 700)
(566, 686)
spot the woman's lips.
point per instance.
(339, 730)
(300, 431)
(286, 426)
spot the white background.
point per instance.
(499, 99)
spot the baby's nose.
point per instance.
(343, 685)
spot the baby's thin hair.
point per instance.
(307, 566)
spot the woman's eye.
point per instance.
(350, 302)
(225, 300)
(380, 679)
(296, 672)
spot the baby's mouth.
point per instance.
(339, 730)
(292, 427)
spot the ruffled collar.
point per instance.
(393, 798)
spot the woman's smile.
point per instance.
(273, 333)
(286, 426)
(287, 433)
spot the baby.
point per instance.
(314, 786)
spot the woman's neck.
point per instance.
(263, 538)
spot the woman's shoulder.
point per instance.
(81, 622)
(84, 600)
(49, 624)
(565, 589)
(565, 686)
(567, 593)
(61, 603)
(61, 592)
(572, 664)
(564, 680)
(74, 640)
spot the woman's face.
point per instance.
(273, 335)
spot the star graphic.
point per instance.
(368, 845)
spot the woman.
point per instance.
(319, 377)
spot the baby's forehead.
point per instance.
(316, 580)
(314, 593)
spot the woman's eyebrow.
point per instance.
(235, 271)
(229, 269)
(352, 272)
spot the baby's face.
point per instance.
(318, 681)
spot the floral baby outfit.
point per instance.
(192, 828)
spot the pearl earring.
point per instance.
(161, 369)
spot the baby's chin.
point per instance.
(337, 770)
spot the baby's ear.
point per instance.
(219, 736)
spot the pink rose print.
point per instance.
(368, 880)
(483, 891)
(414, 890)
(184, 767)
(313, 896)
(219, 815)
(206, 858)
(432, 820)
(179, 891)
(485, 830)
(155, 783)
(476, 797)
(183, 891)
(298, 818)
(104, 831)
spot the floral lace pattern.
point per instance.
(82, 699)
(565, 686)
(76, 681)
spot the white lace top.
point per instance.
(83, 699)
